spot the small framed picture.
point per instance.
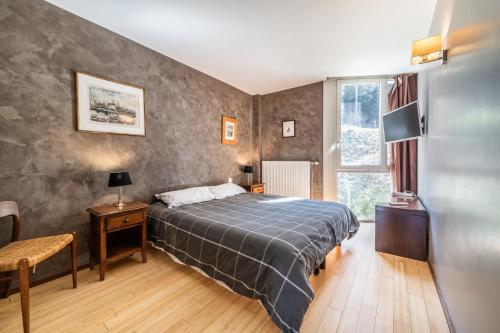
(109, 106)
(229, 130)
(288, 128)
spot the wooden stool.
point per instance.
(21, 255)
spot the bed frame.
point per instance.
(322, 265)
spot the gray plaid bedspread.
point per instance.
(260, 246)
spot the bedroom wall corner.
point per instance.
(303, 104)
(329, 96)
(256, 138)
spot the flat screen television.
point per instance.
(402, 124)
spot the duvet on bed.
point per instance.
(260, 246)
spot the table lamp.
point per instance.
(248, 169)
(119, 179)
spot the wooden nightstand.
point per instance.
(116, 233)
(402, 230)
(254, 188)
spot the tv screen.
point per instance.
(402, 124)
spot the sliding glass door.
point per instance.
(361, 157)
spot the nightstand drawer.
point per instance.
(122, 221)
(258, 189)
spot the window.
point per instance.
(362, 166)
(361, 191)
(360, 124)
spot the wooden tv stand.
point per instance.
(402, 230)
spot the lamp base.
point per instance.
(119, 204)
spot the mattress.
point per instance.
(259, 246)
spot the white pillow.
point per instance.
(226, 190)
(186, 197)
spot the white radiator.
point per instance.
(289, 178)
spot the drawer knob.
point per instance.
(126, 220)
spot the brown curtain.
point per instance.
(404, 154)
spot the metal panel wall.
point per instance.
(459, 162)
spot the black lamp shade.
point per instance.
(119, 179)
(248, 169)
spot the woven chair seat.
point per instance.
(35, 250)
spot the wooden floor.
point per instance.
(360, 291)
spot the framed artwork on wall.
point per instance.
(229, 130)
(108, 106)
(288, 128)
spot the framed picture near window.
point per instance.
(288, 128)
(229, 130)
(108, 106)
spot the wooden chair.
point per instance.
(21, 255)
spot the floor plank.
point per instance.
(359, 291)
(366, 320)
(419, 320)
(384, 321)
(435, 313)
(401, 303)
(350, 313)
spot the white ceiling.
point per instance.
(262, 46)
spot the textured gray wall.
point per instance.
(256, 137)
(305, 105)
(55, 172)
(459, 162)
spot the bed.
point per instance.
(260, 246)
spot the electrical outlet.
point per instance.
(230, 180)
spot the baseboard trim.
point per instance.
(49, 278)
(441, 299)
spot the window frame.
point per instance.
(383, 166)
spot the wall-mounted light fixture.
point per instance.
(427, 50)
